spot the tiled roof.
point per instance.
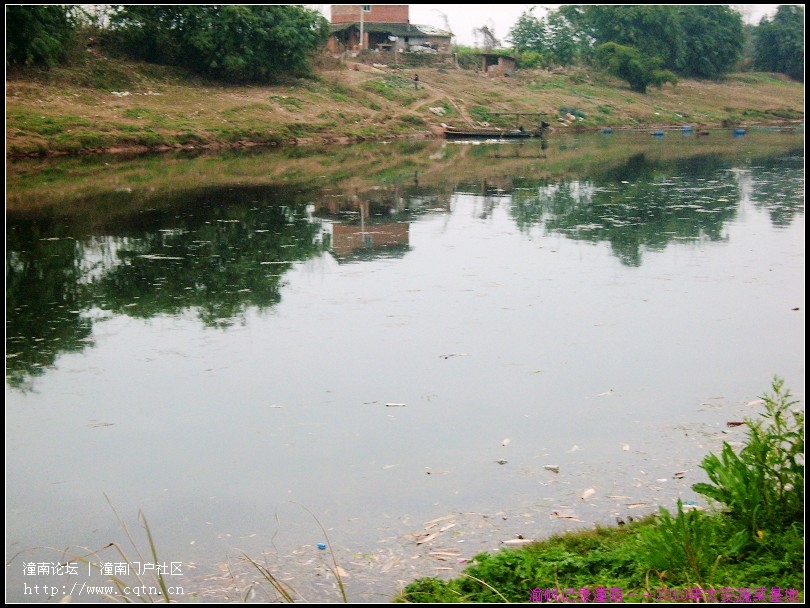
(395, 29)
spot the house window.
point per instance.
(366, 8)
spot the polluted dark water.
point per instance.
(369, 364)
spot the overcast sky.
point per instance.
(464, 19)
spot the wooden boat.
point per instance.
(520, 133)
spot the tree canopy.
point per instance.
(38, 34)
(712, 40)
(639, 70)
(529, 33)
(236, 43)
(779, 43)
(700, 41)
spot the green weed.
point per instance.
(689, 545)
(762, 486)
(287, 102)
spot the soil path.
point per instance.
(438, 95)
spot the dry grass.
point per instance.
(62, 113)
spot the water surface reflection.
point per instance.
(232, 354)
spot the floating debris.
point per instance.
(734, 423)
(565, 514)
(421, 540)
(506, 442)
(433, 522)
(501, 461)
(554, 468)
(155, 256)
(445, 554)
(588, 493)
(679, 474)
(518, 542)
(395, 405)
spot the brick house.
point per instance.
(493, 64)
(383, 27)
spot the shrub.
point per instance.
(762, 486)
(638, 70)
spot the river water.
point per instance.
(404, 353)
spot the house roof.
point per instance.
(485, 54)
(395, 29)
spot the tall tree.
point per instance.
(39, 34)
(779, 43)
(563, 40)
(713, 39)
(228, 42)
(701, 41)
(554, 38)
(529, 33)
(654, 30)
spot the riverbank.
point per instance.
(108, 106)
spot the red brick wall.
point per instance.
(379, 13)
(347, 238)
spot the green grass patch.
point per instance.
(288, 102)
(412, 121)
(341, 97)
(30, 122)
(77, 142)
(392, 87)
(189, 138)
(149, 138)
(770, 114)
(155, 118)
(481, 114)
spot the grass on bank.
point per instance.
(749, 548)
(101, 103)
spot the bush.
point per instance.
(629, 64)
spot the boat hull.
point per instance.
(491, 134)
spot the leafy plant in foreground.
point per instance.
(689, 546)
(762, 486)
